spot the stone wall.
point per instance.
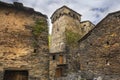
(58, 36)
(62, 22)
(23, 41)
(86, 26)
(99, 51)
(65, 19)
(64, 10)
(72, 46)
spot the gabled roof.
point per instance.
(89, 33)
(66, 8)
(113, 13)
(110, 14)
(20, 6)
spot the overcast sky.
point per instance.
(93, 10)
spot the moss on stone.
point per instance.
(40, 26)
(72, 37)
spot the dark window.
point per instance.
(61, 14)
(107, 43)
(84, 25)
(91, 44)
(87, 63)
(53, 57)
(70, 14)
(35, 50)
(107, 62)
(73, 15)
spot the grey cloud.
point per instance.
(13, 0)
(93, 10)
(100, 9)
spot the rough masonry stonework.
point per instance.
(78, 50)
(99, 50)
(23, 43)
(67, 30)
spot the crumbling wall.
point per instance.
(23, 41)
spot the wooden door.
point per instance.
(61, 59)
(15, 75)
(58, 72)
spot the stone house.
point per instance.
(23, 43)
(99, 50)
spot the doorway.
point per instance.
(58, 72)
(15, 75)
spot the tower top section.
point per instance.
(64, 10)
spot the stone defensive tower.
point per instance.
(62, 19)
(67, 30)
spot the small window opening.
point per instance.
(107, 43)
(35, 50)
(53, 57)
(70, 14)
(107, 62)
(91, 44)
(87, 63)
(73, 15)
(61, 14)
(84, 25)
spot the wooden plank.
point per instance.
(58, 72)
(61, 59)
(15, 75)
